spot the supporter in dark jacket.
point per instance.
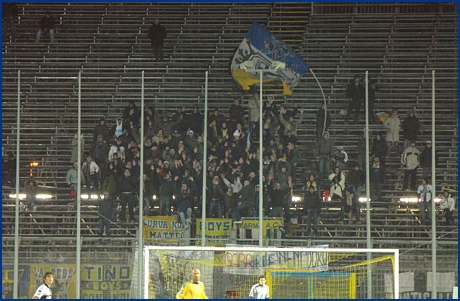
(46, 24)
(312, 206)
(103, 130)
(236, 114)
(107, 207)
(426, 158)
(355, 180)
(157, 33)
(127, 189)
(324, 152)
(277, 200)
(183, 206)
(379, 148)
(131, 113)
(411, 128)
(377, 176)
(195, 121)
(355, 93)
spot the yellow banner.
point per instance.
(106, 281)
(217, 231)
(64, 279)
(163, 230)
(270, 227)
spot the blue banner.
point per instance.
(262, 48)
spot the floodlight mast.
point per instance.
(248, 66)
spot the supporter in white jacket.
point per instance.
(447, 204)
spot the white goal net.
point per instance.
(290, 273)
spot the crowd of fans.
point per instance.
(173, 147)
(173, 162)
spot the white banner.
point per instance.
(254, 263)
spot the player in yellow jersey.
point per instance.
(193, 289)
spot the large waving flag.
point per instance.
(261, 47)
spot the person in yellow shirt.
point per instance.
(193, 289)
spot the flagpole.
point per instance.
(324, 101)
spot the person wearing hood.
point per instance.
(410, 127)
(323, 154)
(447, 204)
(47, 24)
(393, 126)
(157, 33)
(74, 154)
(118, 129)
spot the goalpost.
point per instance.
(291, 273)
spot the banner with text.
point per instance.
(8, 279)
(163, 230)
(64, 279)
(270, 227)
(217, 231)
(106, 281)
(254, 263)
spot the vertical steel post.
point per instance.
(140, 248)
(434, 292)
(261, 159)
(205, 148)
(16, 213)
(368, 187)
(78, 255)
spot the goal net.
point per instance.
(291, 273)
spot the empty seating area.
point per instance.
(108, 44)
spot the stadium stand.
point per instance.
(108, 43)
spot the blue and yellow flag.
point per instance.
(261, 47)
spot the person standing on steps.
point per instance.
(157, 33)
